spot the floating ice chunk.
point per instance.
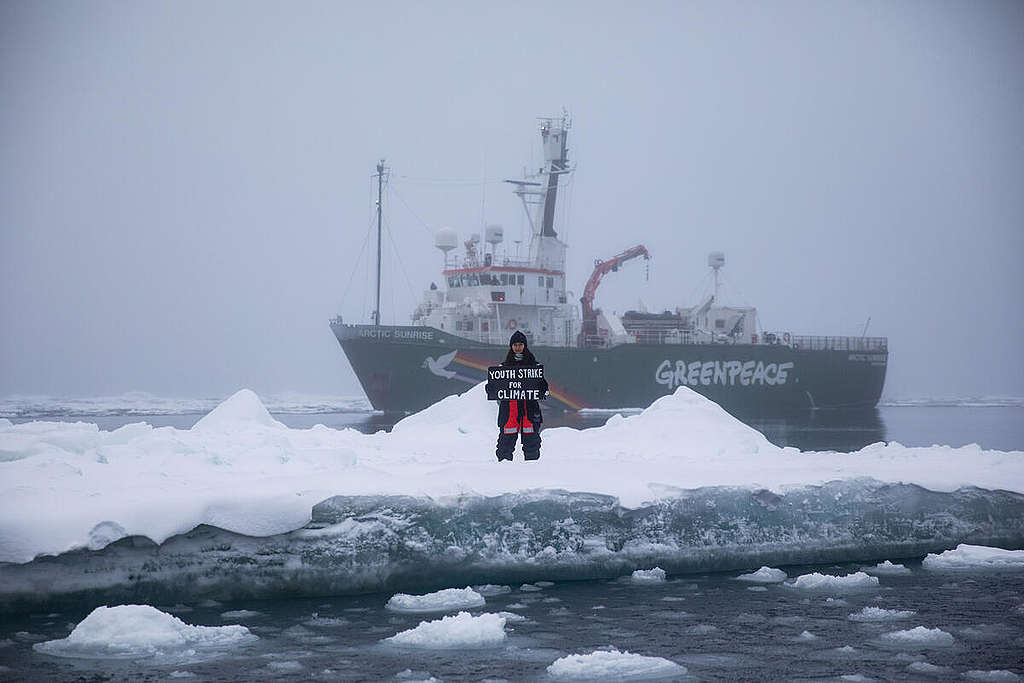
(445, 600)
(887, 568)
(239, 412)
(757, 589)
(544, 584)
(918, 637)
(613, 665)
(656, 575)
(410, 676)
(926, 669)
(806, 636)
(997, 675)
(701, 630)
(529, 588)
(240, 614)
(975, 557)
(130, 631)
(455, 631)
(490, 590)
(856, 678)
(834, 584)
(286, 667)
(764, 575)
(181, 674)
(880, 614)
(512, 617)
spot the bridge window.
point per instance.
(550, 282)
(540, 281)
(522, 280)
(504, 278)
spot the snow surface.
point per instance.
(70, 485)
(613, 665)
(445, 600)
(131, 631)
(455, 631)
(764, 575)
(975, 557)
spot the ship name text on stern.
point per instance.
(726, 373)
(385, 333)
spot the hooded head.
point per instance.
(525, 356)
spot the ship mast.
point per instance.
(380, 189)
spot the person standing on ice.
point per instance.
(515, 417)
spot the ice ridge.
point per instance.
(358, 544)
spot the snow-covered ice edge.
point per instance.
(242, 506)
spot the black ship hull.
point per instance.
(405, 368)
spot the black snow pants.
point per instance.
(513, 420)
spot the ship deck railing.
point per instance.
(797, 342)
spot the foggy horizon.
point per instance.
(186, 196)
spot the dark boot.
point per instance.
(532, 455)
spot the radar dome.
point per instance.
(446, 239)
(494, 234)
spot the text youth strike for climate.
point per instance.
(515, 383)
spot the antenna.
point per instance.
(716, 260)
(380, 201)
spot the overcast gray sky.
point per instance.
(185, 186)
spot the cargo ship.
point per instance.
(593, 359)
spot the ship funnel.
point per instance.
(494, 234)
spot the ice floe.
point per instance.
(611, 665)
(974, 557)
(887, 568)
(918, 637)
(656, 575)
(455, 631)
(827, 583)
(134, 631)
(764, 575)
(880, 614)
(445, 600)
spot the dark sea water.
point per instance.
(719, 628)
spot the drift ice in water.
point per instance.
(612, 665)
(440, 601)
(320, 511)
(133, 631)
(456, 631)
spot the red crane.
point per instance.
(588, 331)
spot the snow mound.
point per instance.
(439, 601)
(243, 410)
(656, 575)
(887, 568)
(918, 637)
(459, 630)
(975, 557)
(613, 665)
(834, 584)
(764, 575)
(459, 415)
(879, 614)
(131, 631)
